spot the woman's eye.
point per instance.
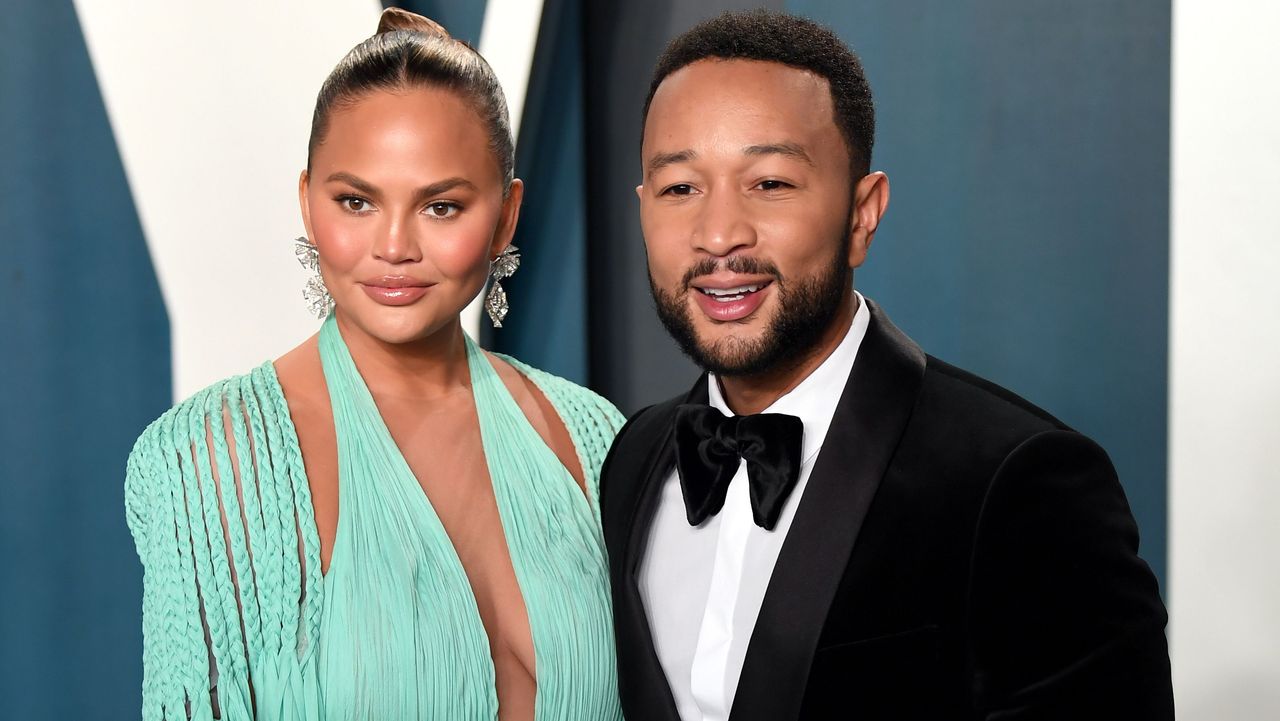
(442, 210)
(353, 204)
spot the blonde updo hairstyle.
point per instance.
(410, 51)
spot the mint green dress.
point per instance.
(234, 600)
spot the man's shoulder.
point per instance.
(635, 449)
(649, 424)
(966, 421)
(953, 390)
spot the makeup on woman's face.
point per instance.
(404, 201)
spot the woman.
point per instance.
(386, 522)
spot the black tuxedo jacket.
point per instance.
(958, 554)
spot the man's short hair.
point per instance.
(789, 40)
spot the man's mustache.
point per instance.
(746, 265)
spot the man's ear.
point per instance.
(304, 180)
(870, 198)
(506, 229)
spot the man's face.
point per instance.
(747, 212)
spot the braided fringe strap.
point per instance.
(217, 501)
(592, 422)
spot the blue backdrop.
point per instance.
(84, 366)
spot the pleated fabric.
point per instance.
(234, 605)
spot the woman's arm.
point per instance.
(216, 501)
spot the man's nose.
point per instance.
(724, 225)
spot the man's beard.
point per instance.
(806, 309)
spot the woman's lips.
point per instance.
(730, 304)
(394, 293)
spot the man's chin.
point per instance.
(710, 331)
(730, 353)
(722, 347)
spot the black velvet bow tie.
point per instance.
(708, 449)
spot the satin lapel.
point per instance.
(870, 417)
(642, 682)
(660, 465)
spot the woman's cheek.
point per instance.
(341, 243)
(463, 250)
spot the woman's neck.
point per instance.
(423, 369)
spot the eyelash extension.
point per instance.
(341, 200)
(457, 208)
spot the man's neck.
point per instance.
(750, 394)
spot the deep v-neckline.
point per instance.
(342, 375)
(339, 364)
(476, 361)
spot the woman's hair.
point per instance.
(410, 51)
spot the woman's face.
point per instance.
(404, 203)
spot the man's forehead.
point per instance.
(741, 106)
(738, 76)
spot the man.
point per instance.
(832, 524)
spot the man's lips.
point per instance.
(728, 298)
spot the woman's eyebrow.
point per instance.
(426, 191)
(360, 185)
(444, 186)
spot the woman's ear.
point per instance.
(304, 181)
(507, 221)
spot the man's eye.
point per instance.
(773, 185)
(680, 189)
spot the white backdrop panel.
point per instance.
(211, 107)
(1224, 443)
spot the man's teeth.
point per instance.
(731, 294)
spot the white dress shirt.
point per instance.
(702, 586)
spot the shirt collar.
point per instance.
(814, 400)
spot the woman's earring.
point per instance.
(503, 266)
(317, 297)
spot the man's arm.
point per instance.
(1066, 620)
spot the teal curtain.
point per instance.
(547, 326)
(84, 365)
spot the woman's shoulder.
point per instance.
(590, 419)
(181, 423)
(207, 437)
(580, 408)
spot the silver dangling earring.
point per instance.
(317, 297)
(503, 266)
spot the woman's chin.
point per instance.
(397, 326)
